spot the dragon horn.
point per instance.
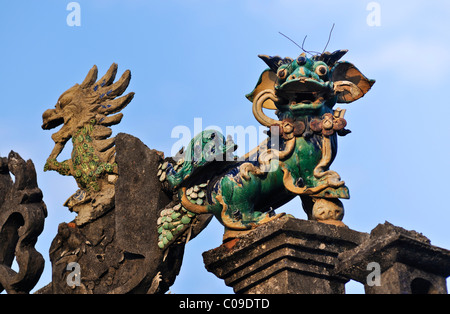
(109, 76)
(117, 104)
(121, 85)
(91, 77)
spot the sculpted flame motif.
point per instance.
(294, 160)
(86, 111)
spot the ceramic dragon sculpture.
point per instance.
(294, 160)
(86, 111)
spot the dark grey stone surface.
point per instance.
(138, 194)
(407, 261)
(118, 252)
(287, 255)
(22, 214)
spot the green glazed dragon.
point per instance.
(294, 160)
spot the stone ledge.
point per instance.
(287, 255)
(403, 256)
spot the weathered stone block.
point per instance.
(139, 196)
(118, 252)
(287, 255)
(22, 214)
(408, 263)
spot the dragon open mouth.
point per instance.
(51, 119)
(305, 93)
(305, 98)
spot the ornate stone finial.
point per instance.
(86, 111)
(22, 214)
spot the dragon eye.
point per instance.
(301, 60)
(321, 70)
(282, 73)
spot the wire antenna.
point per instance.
(310, 52)
(329, 37)
(301, 47)
(293, 41)
(303, 43)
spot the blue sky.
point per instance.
(198, 58)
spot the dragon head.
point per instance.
(88, 103)
(307, 85)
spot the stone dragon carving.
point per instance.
(86, 111)
(118, 196)
(294, 160)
